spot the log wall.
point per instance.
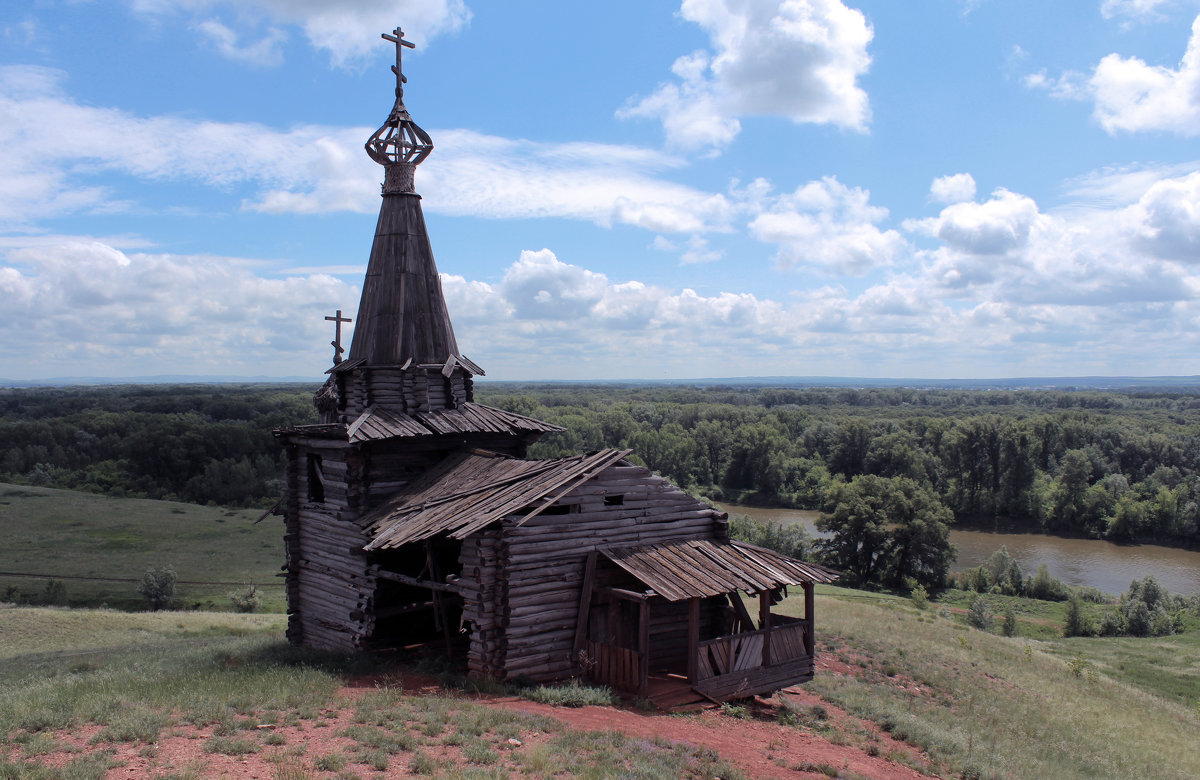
(329, 583)
(539, 569)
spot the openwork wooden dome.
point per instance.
(399, 145)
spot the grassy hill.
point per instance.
(980, 705)
(991, 706)
(60, 534)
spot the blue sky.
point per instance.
(974, 188)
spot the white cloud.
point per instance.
(1167, 219)
(267, 51)
(830, 226)
(1141, 10)
(348, 29)
(45, 171)
(998, 226)
(953, 189)
(1132, 96)
(799, 59)
(106, 312)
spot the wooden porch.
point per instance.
(748, 658)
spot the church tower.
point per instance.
(398, 404)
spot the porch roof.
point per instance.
(696, 568)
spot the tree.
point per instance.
(158, 586)
(887, 529)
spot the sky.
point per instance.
(618, 190)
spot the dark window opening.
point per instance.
(557, 509)
(316, 479)
(617, 500)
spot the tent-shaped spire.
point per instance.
(402, 317)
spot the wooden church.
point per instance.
(413, 517)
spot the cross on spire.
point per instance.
(399, 145)
(397, 37)
(337, 321)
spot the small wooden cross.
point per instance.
(397, 37)
(337, 320)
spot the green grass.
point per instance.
(993, 706)
(65, 532)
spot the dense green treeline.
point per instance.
(1101, 464)
(204, 444)
(1122, 465)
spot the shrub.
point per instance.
(246, 599)
(1076, 623)
(920, 597)
(1010, 622)
(1047, 588)
(980, 614)
(158, 586)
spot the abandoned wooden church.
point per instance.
(412, 516)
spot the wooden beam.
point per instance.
(384, 574)
(693, 639)
(809, 635)
(585, 604)
(644, 649)
(621, 593)
(764, 623)
(739, 607)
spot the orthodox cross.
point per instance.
(397, 37)
(337, 321)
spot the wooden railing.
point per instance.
(790, 640)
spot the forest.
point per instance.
(1101, 464)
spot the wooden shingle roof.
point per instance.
(701, 567)
(379, 423)
(469, 490)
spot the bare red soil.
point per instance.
(757, 744)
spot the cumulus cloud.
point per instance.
(347, 30)
(953, 189)
(827, 225)
(799, 59)
(103, 311)
(1130, 95)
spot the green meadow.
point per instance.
(63, 533)
(985, 705)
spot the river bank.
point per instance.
(1094, 562)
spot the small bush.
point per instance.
(980, 615)
(1047, 588)
(1076, 623)
(571, 695)
(1010, 622)
(246, 599)
(920, 597)
(158, 586)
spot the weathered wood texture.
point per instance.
(329, 582)
(402, 315)
(538, 568)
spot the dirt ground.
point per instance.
(757, 744)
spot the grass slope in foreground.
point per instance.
(63, 532)
(991, 706)
(229, 688)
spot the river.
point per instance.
(1104, 565)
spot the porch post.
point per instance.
(764, 622)
(644, 648)
(810, 633)
(693, 639)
